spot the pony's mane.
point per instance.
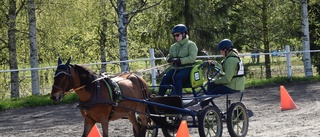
(86, 76)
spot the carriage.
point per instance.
(149, 113)
(198, 108)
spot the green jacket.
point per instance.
(186, 50)
(228, 70)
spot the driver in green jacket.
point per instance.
(182, 56)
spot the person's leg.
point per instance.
(166, 80)
(180, 77)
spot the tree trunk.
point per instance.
(103, 38)
(33, 48)
(12, 50)
(266, 37)
(306, 39)
(123, 20)
(187, 14)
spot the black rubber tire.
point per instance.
(237, 120)
(169, 132)
(152, 130)
(171, 127)
(152, 133)
(210, 122)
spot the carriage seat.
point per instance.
(196, 76)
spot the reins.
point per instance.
(71, 90)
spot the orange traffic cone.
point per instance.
(94, 132)
(183, 129)
(286, 100)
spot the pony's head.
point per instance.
(62, 81)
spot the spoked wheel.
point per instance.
(169, 132)
(152, 130)
(210, 122)
(237, 120)
(172, 126)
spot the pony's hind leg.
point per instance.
(144, 124)
(142, 121)
(135, 124)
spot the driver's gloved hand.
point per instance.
(176, 61)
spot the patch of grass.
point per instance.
(34, 101)
(279, 80)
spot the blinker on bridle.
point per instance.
(69, 76)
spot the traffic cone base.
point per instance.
(286, 100)
(183, 130)
(94, 132)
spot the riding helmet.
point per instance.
(180, 28)
(224, 44)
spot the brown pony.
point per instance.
(97, 103)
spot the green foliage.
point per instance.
(314, 26)
(74, 28)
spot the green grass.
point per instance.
(279, 80)
(44, 100)
(34, 101)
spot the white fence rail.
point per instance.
(152, 70)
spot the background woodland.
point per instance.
(34, 33)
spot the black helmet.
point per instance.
(224, 44)
(180, 28)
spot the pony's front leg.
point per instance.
(88, 124)
(105, 126)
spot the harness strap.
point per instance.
(85, 112)
(110, 90)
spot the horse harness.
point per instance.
(115, 94)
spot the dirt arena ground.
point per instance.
(268, 120)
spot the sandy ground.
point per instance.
(268, 120)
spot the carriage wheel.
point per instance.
(152, 130)
(237, 120)
(169, 132)
(173, 124)
(210, 122)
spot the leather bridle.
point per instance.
(69, 79)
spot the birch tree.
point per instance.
(124, 18)
(33, 48)
(14, 75)
(103, 39)
(305, 39)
